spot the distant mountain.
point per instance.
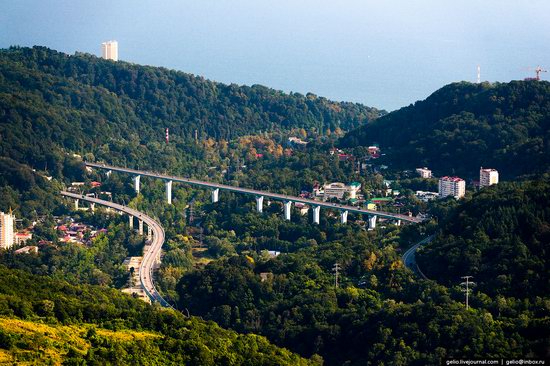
(500, 237)
(464, 126)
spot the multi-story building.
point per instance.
(21, 238)
(487, 177)
(338, 190)
(424, 172)
(109, 50)
(7, 226)
(452, 186)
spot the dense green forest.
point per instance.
(379, 313)
(51, 102)
(500, 237)
(178, 340)
(463, 126)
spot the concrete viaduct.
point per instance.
(155, 236)
(259, 196)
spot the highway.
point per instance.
(409, 256)
(258, 193)
(150, 256)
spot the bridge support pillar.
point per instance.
(316, 214)
(372, 222)
(287, 207)
(131, 221)
(92, 207)
(137, 183)
(343, 216)
(168, 185)
(140, 230)
(215, 195)
(149, 233)
(260, 204)
(76, 204)
(109, 172)
(398, 223)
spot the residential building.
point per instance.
(109, 50)
(339, 190)
(424, 172)
(452, 186)
(345, 157)
(302, 208)
(426, 196)
(27, 250)
(374, 151)
(7, 226)
(487, 177)
(273, 253)
(296, 141)
(21, 238)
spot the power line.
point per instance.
(336, 270)
(467, 289)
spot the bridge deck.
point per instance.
(275, 196)
(149, 257)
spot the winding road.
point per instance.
(409, 256)
(151, 257)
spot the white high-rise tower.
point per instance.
(487, 177)
(109, 50)
(7, 225)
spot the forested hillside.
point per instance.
(53, 105)
(50, 101)
(379, 314)
(464, 126)
(501, 237)
(47, 321)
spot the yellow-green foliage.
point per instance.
(33, 342)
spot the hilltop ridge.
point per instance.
(463, 126)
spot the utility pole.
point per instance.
(336, 270)
(467, 289)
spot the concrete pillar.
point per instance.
(136, 183)
(140, 231)
(260, 204)
(76, 204)
(343, 216)
(215, 195)
(372, 222)
(131, 221)
(149, 233)
(168, 185)
(316, 214)
(287, 206)
(398, 222)
(109, 172)
(92, 207)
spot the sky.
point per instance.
(386, 53)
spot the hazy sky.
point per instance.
(385, 53)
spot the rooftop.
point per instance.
(451, 179)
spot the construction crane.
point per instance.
(537, 70)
